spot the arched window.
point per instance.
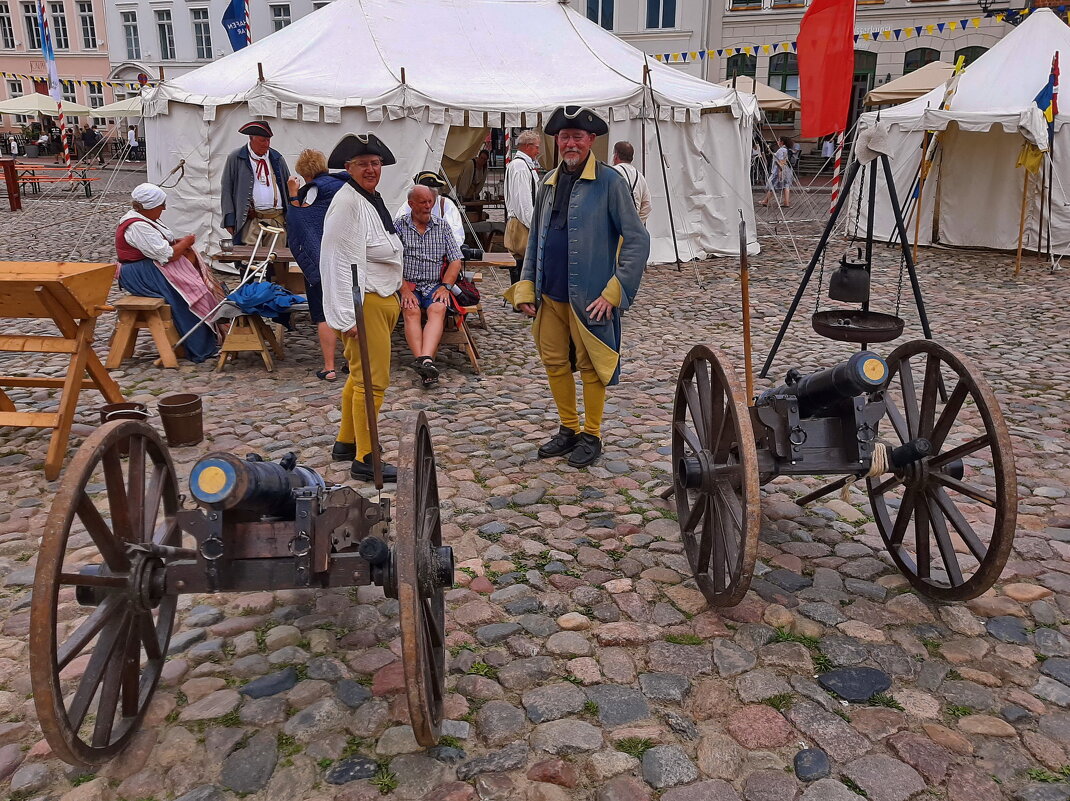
(969, 55)
(784, 76)
(742, 64)
(919, 58)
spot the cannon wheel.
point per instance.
(936, 393)
(420, 562)
(715, 476)
(93, 677)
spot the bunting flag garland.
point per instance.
(132, 85)
(886, 34)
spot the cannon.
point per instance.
(922, 428)
(119, 549)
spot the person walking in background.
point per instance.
(473, 176)
(623, 153)
(255, 182)
(304, 233)
(521, 187)
(781, 175)
(132, 146)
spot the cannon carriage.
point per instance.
(119, 549)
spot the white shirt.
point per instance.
(521, 186)
(151, 238)
(353, 234)
(447, 211)
(638, 187)
(263, 194)
(131, 138)
(828, 149)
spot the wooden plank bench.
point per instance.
(35, 181)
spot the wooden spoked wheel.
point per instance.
(948, 520)
(422, 569)
(100, 623)
(715, 476)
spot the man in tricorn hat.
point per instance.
(361, 253)
(254, 186)
(586, 254)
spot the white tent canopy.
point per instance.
(130, 107)
(37, 103)
(913, 84)
(769, 99)
(409, 70)
(972, 196)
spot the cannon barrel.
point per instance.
(819, 392)
(223, 481)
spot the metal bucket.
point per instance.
(123, 411)
(183, 421)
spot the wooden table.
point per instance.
(283, 271)
(72, 295)
(28, 176)
(504, 261)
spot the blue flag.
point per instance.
(236, 24)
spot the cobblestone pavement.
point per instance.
(584, 663)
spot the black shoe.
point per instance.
(586, 451)
(562, 442)
(343, 452)
(362, 471)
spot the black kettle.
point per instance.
(850, 283)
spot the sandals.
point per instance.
(327, 375)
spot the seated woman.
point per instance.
(304, 230)
(153, 264)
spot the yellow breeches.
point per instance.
(555, 328)
(380, 317)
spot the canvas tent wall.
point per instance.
(478, 63)
(972, 195)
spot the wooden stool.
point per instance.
(456, 333)
(249, 333)
(136, 313)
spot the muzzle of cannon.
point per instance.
(223, 481)
(825, 391)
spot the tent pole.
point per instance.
(1021, 225)
(661, 157)
(921, 190)
(1043, 193)
(915, 286)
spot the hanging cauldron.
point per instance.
(850, 283)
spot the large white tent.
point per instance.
(410, 70)
(973, 193)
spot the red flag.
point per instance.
(826, 66)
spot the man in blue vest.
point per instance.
(254, 187)
(585, 258)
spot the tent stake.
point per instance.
(661, 157)
(1021, 225)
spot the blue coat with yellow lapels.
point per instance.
(608, 247)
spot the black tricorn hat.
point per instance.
(429, 178)
(353, 145)
(256, 128)
(576, 117)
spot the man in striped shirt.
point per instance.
(429, 244)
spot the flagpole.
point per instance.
(1021, 224)
(55, 90)
(248, 25)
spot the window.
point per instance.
(742, 64)
(167, 34)
(60, 39)
(7, 31)
(739, 5)
(661, 13)
(280, 16)
(202, 32)
(95, 96)
(784, 75)
(601, 11)
(919, 58)
(14, 89)
(89, 26)
(320, 4)
(33, 26)
(133, 40)
(69, 97)
(969, 55)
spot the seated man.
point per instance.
(429, 244)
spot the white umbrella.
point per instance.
(130, 107)
(913, 84)
(769, 99)
(37, 103)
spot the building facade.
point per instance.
(177, 36)
(758, 25)
(80, 40)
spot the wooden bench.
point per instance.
(251, 333)
(137, 313)
(35, 181)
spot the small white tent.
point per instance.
(408, 70)
(972, 195)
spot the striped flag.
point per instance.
(55, 89)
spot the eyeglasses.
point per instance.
(360, 165)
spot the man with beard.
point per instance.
(585, 258)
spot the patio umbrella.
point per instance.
(769, 99)
(130, 107)
(37, 103)
(913, 84)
